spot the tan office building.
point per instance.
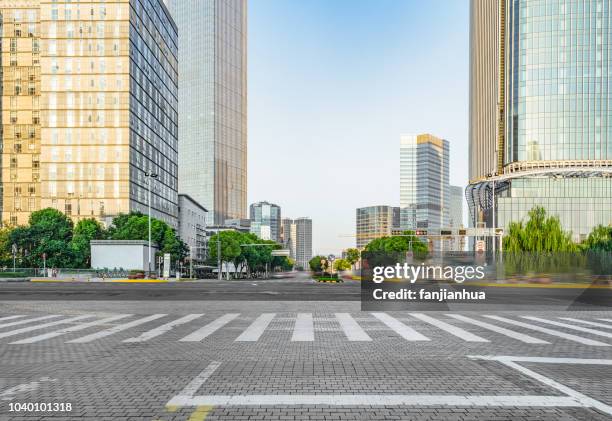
(89, 107)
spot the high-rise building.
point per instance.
(213, 104)
(424, 187)
(192, 226)
(375, 222)
(89, 107)
(456, 207)
(266, 221)
(303, 241)
(541, 112)
(289, 235)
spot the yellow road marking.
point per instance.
(200, 413)
(172, 408)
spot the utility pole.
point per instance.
(219, 255)
(150, 177)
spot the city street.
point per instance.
(234, 356)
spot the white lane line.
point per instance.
(9, 394)
(199, 380)
(153, 333)
(67, 330)
(586, 322)
(568, 326)
(501, 330)
(606, 320)
(375, 400)
(303, 330)
(552, 332)
(114, 329)
(256, 329)
(351, 328)
(210, 328)
(453, 330)
(10, 317)
(42, 326)
(545, 360)
(400, 328)
(23, 322)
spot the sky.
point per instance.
(332, 84)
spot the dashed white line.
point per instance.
(586, 322)
(400, 328)
(351, 328)
(115, 329)
(303, 330)
(257, 328)
(153, 333)
(42, 326)
(453, 330)
(498, 329)
(36, 319)
(568, 326)
(210, 328)
(10, 317)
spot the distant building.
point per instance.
(243, 225)
(289, 236)
(374, 222)
(456, 207)
(424, 185)
(266, 221)
(192, 226)
(303, 241)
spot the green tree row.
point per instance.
(50, 232)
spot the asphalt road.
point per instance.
(263, 354)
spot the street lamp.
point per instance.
(150, 176)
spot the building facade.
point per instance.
(213, 104)
(456, 207)
(375, 222)
(424, 185)
(289, 236)
(192, 226)
(89, 107)
(553, 140)
(266, 221)
(303, 242)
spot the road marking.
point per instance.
(501, 330)
(256, 329)
(453, 330)
(568, 326)
(552, 332)
(400, 328)
(9, 394)
(303, 330)
(200, 413)
(193, 386)
(70, 329)
(115, 329)
(586, 322)
(10, 317)
(351, 328)
(23, 322)
(583, 400)
(153, 333)
(42, 326)
(210, 328)
(606, 320)
(544, 360)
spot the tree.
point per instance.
(341, 264)
(315, 263)
(600, 239)
(85, 231)
(397, 243)
(6, 255)
(540, 234)
(49, 232)
(230, 246)
(352, 256)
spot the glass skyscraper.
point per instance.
(266, 221)
(213, 104)
(373, 222)
(553, 143)
(424, 185)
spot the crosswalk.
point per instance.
(540, 330)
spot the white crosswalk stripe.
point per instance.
(498, 329)
(351, 328)
(36, 319)
(568, 326)
(558, 333)
(115, 329)
(210, 328)
(303, 330)
(153, 333)
(70, 329)
(586, 322)
(256, 329)
(400, 328)
(606, 320)
(42, 326)
(447, 327)
(10, 317)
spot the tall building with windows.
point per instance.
(541, 112)
(303, 241)
(213, 104)
(424, 186)
(375, 222)
(266, 221)
(456, 207)
(89, 107)
(289, 235)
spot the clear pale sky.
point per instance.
(333, 84)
